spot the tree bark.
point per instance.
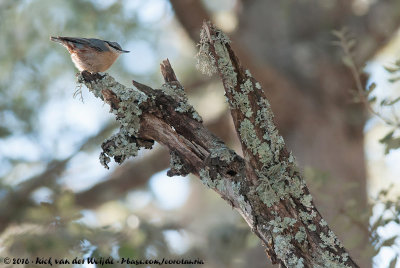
(264, 186)
(288, 48)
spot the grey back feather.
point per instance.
(98, 44)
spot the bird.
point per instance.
(90, 54)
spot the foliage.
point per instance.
(363, 94)
(390, 214)
(388, 217)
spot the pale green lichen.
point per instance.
(323, 223)
(216, 184)
(229, 76)
(265, 154)
(108, 82)
(219, 35)
(275, 178)
(312, 227)
(177, 92)
(242, 102)
(307, 216)
(173, 89)
(328, 240)
(327, 259)
(243, 203)
(345, 257)
(123, 144)
(247, 86)
(118, 146)
(236, 186)
(206, 179)
(264, 119)
(227, 188)
(205, 60)
(220, 184)
(267, 194)
(274, 181)
(279, 182)
(301, 235)
(275, 171)
(284, 250)
(306, 200)
(264, 114)
(187, 108)
(280, 225)
(291, 158)
(221, 152)
(296, 262)
(248, 136)
(283, 246)
(177, 166)
(296, 186)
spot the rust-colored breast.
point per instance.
(92, 60)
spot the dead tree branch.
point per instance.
(265, 187)
(282, 92)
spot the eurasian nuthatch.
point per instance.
(90, 54)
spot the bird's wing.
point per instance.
(81, 42)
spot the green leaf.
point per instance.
(386, 102)
(372, 100)
(393, 144)
(393, 80)
(387, 137)
(383, 102)
(391, 69)
(393, 101)
(377, 223)
(371, 87)
(389, 242)
(384, 192)
(4, 132)
(390, 142)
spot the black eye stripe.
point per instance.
(113, 46)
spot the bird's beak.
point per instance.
(123, 51)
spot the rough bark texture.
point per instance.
(265, 187)
(295, 37)
(288, 47)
